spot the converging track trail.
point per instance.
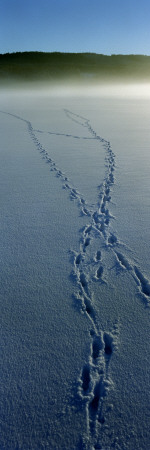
(90, 275)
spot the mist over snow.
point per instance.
(66, 88)
(75, 267)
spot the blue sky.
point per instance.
(101, 26)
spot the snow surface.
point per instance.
(75, 283)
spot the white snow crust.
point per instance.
(75, 271)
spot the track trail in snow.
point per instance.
(102, 217)
(94, 381)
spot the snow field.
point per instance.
(82, 286)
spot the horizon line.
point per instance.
(74, 53)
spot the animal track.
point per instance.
(86, 243)
(78, 259)
(85, 377)
(108, 341)
(87, 230)
(112, 239)
(95, 382)
(98, 256)
(85, 211)
(89, 308)
(123, 261)
(96, 346)
(99, 272)
(83, 280)
(94, 404)
(143, 282)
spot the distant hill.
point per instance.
(82, 67)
